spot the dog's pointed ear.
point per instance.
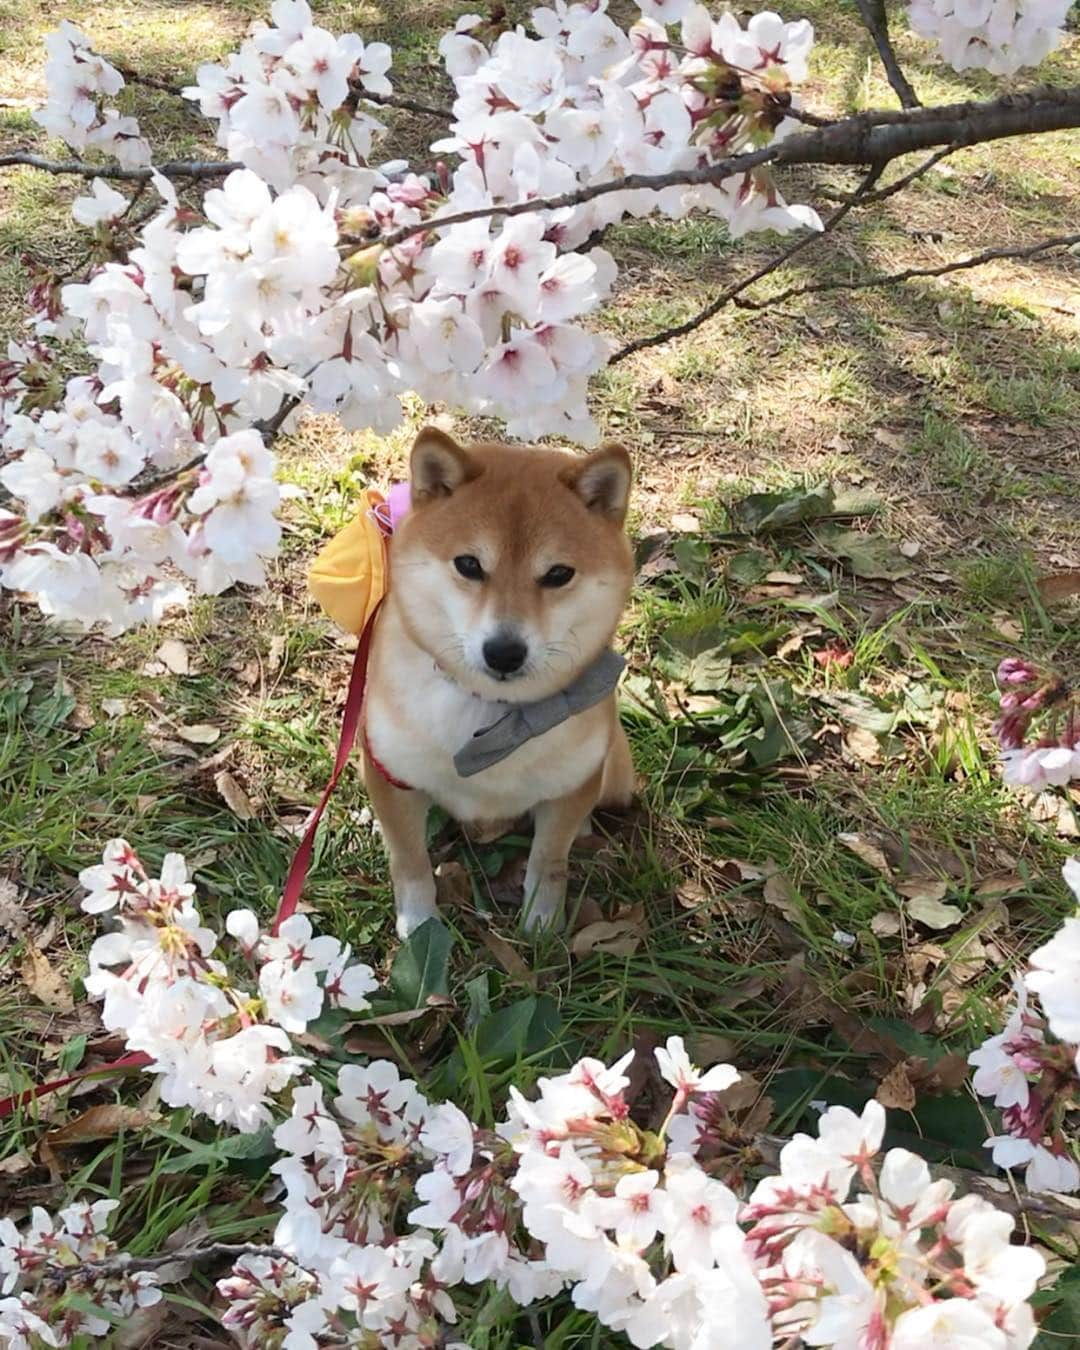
(438, 465)
(602, 480)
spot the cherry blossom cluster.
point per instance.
(80, 83)
(903, 1265)
(650, 1242)
(50, 1294)
(212, 324)
(388, 1204)
(219, 1039)
(358, 1270)
(1000, 36)
(1031, 1069)
(287, 103)
(1038, 728)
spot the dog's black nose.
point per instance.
(505, 653)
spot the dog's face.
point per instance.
(513, 567)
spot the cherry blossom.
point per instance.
(275, 293)
(1000, 36)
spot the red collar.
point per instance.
(377, 764)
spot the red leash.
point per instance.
(298, 868)
(350, 724)
(9, 1105)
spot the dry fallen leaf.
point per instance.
(99, 1122)
(200, 733)
(13, 917)
(690, 894)
(923, 888)
(1001, 883)
(114, 707)
(895, 1090)
(685, 523)
(910, 548)
(1059, 585)
(933, 914)
(784, 579)
(863, 847)
(236, 799)
(1007, 628)
(173, 655)
(43, 982)
(277, 651)
(507, 956)
(862, 745)
(885, 924)
(453, 886)
(780, 893)
(619, 937)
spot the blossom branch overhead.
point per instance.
(314, 278)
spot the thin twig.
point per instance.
(196, 168)
(133, 76)
(125, 1263)
(811, 119)
(891, 189)
(143, 487)
(725, 297)
(912, 273)
(391, 100)
(269, 427)
(408, 104)
(876, 20)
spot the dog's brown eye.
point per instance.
(469, 567)
(557, 576)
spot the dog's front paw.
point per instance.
(415, 905)
(543, 912)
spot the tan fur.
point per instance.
(519, 512)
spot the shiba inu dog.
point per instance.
(491, 682)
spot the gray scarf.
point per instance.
(526, 720)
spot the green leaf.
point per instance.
(421, 965)
(54, 708)
(864, 555)
(764, 511)
(1062, 1326)
(15, 697)
(860, 710)
(747, 568)
(229, 1148)
(692, 555)
(479, 1000)
(521, 1029)
(71, 1056)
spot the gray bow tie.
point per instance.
(526, 720)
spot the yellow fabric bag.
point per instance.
(349, 575)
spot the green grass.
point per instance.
(954, 403)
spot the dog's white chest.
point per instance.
(416, 728)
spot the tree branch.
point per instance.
(125, 1263)
(408, 104)
(133, 76)
(725, 297)
(869, 138)
(196, 168)
(876, 20)
(911, 273)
